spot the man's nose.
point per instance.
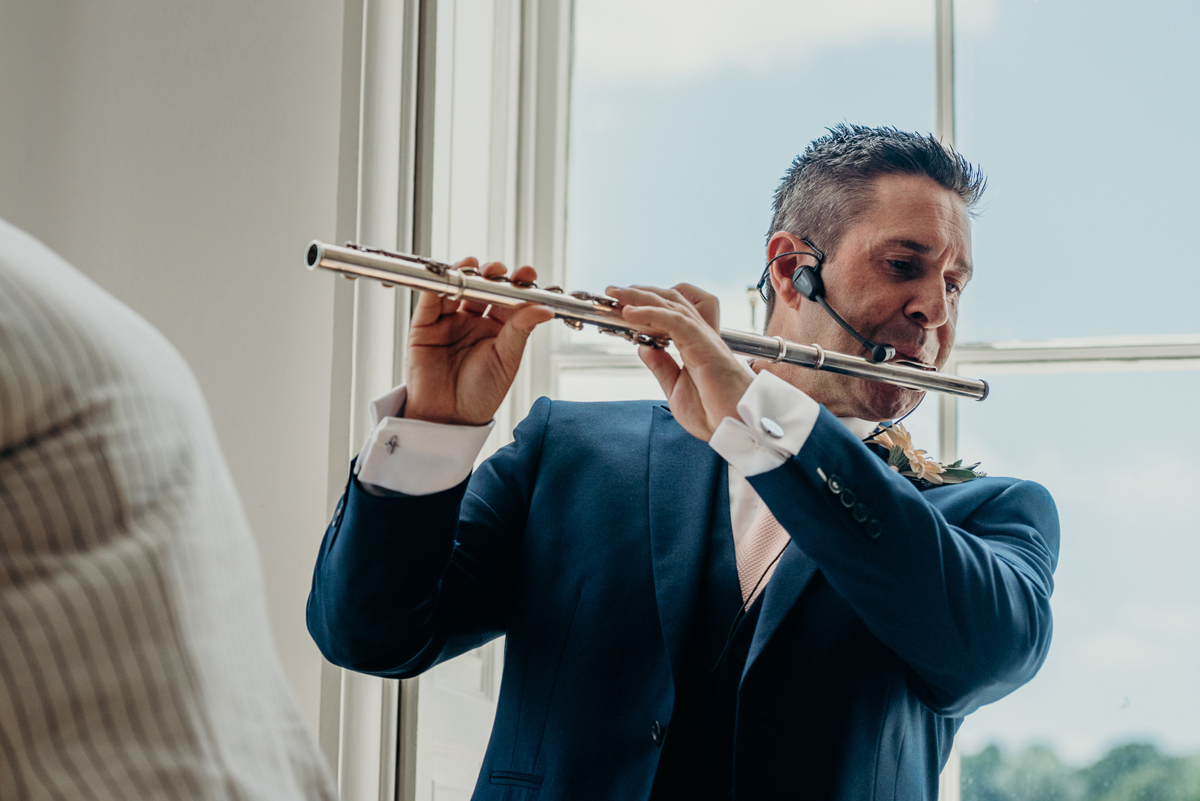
(929, 306)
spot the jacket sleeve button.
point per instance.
(859, 513)
(835, 484)
(848, 497)
(874, 528)
(656, 732)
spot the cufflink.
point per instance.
(392, 444)
(772, 428)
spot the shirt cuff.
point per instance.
(416, 457)
(773, 423)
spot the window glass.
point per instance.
(1083, 114)
(592, 384)
(686, 113)
(1113, 713)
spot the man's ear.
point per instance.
(784, 267)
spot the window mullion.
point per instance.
(944, 70)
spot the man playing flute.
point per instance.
(728, 594)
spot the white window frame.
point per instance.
(1097, 354)
(377, 177)
(386, 163)
(392, 141)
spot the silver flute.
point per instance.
(579, 308)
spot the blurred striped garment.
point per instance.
(136, 661)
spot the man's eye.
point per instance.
(953, 288)
(901, 266)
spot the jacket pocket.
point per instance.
(515, 779)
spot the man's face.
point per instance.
(895, 278)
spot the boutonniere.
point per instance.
(914, 464)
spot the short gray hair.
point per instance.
(828, 187)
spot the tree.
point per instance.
(1129, 772)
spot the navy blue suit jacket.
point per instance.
(581, 542)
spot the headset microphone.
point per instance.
(807, 281)
(879, 353)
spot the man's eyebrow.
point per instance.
(967, 269)
(924, 250)
(910, 244)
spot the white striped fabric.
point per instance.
(136, 660)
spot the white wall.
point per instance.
(182, 153)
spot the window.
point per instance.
(682, 117)
(1126, 649)
(1081, 313)
(683, 120)
(1083, 115)
(1067, 105)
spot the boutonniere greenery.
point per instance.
(914, 464)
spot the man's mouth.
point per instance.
(910, 356)
(904, 362)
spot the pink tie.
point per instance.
(757, 553)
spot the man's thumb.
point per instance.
(510, 342)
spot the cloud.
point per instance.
(670, 40)
(1153, 482)
(1168, 620)
(1139, 481)
(1117, 650)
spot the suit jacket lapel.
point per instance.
(795, 570)
(684, 472)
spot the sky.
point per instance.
(1085, 116)
(1125, 661)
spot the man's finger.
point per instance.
(662, 365)
(707, 304)
(642, 295)
(685, 299)
(524, 275)
(510, 342)
(429, 309)
(493, 269)
(503, 314)
(685, 327)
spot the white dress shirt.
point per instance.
(420, 458)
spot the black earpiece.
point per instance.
(807, 281)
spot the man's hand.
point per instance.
(706, 388)
(461, 362)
